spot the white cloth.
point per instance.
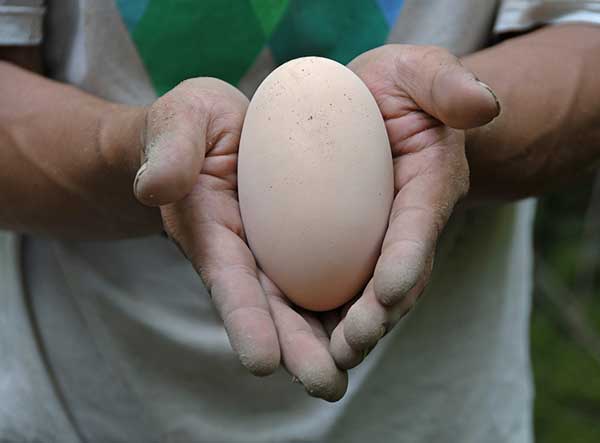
(517, 15)
(21, 22)
(118, 341)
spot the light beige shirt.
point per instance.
(118, 341)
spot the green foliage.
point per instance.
(567, 407)
(567, 378)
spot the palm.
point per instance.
(263, 326)
(418, 142)
(410, 85)
(195, 167)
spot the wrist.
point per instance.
(119, 147)
(119, 139)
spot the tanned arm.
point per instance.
(67, 159)
(548, 82)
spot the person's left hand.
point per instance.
(427, 99)
(190, 145)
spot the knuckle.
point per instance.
(432, 58)
(211, 89)
(203, 84)
(187, 97)
(435, 52)
(221, 276)
(173, 112)
(207, 83)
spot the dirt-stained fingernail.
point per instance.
(136, 182)
(493, 94)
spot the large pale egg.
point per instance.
(315, 181)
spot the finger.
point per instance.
(364, 324)
(179, 131)
(241, 303)
(455, 96)
(229, 272)
(246, 317)
(368, 320)
(419, 212)
(305, 353)
(439, 84)
(343, 354)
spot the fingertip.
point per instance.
(260, 357)
(261, 364)
(480, 105)
(328, 383)
(254, 340)
(362, 328)
(157, 185)
(138, 183)
(462, 101)
(496, 109)
(392, 281)
(146, 190)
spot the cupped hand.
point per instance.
(427, 99)
(189, 162)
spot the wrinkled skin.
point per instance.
(196, 170)
(427, 99)
(190, 142)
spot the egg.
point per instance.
(315, 181)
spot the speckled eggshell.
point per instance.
(315, 181)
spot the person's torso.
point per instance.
(133, 347)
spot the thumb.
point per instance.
(448, 91)
(457, 97)
(176, 135)
(435, 80)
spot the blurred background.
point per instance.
(565, 327)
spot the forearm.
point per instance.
(68, 160)
(548, 133)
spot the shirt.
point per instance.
(118, 342)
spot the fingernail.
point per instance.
(493, 94)
(142, 169)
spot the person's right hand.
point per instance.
(189, 163)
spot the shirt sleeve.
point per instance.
(21, 22)
(519, 15)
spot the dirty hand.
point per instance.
(189, 170)
(427, 99)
